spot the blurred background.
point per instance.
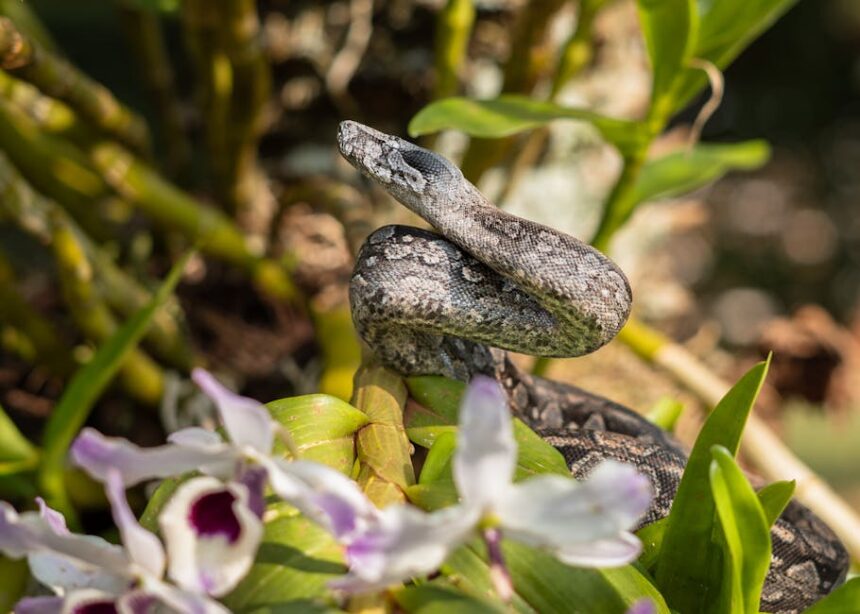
(762, 260)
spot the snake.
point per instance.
(454, 300)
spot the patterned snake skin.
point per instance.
(451, 303)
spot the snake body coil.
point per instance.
(450, 303)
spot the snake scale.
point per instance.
(451, 302)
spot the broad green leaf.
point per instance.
(689, 567)
(323, 428)
(433, 496)
(434, 598)
(726, 27)
(86, 387)
(774, 497)
(439, 400)
(295, 561)
(437, 465)
(746, 532)
(14, 447)
(297, 606)
(548, 585)
(669, 27)
(844, 600)
(682, 171)
(509, 114)
(665, 413)
(466, 567)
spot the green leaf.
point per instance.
(509, 114)
(14, 447)
(682, 171)
(746, 533)
(433, 496)
(15, 574)
(774, 497)
(844, 600)
(323, 428)
(155, 6)
(295, 561)
(549, 585)
(439, 400)
(297, 606)
(669, 27)
(665, 413)
(689, 567)
(437, 465)
(726, 27)
(470, 572)
(86, 387)
(433, 598)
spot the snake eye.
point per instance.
(426, 162)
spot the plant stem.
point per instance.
(382, 446)
(622, 199)
(224, 39)
(453, 29)
(143, 31)
(34, 213)
(142, 378)
(759, 444)
(26, 59)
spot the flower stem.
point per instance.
(499, 574)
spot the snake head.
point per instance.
(408, 172)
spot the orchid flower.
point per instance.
(89, 574)
(583, 524)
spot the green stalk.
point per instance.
(622, 199)
(225, 45)
(36, 335)
(25, 58)
(144, 33)
(140, 376)
(382, 446)
(34, 213)
(453, 29)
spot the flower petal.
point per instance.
(558, 512)
(143, 547)
(39, 605)
(55, 519)
(89, 601)
(610, 552)
(403, 542)
(178, 600)
(98, 454)
(195, 437)
(247, 422)
(211, 534)
(486, 451)
(65, 573)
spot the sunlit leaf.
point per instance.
(746, 533)
(669, 27)
(844, 600)
(437, 465)
(689, 568)
(295, 561)
(774, 497)
(323, 427)
(510, 114)
(439, 400)
(665, 413)
(86, 387)
(682, 171)
(433, 598)
(726, 27)
(14, 447)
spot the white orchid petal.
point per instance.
(52, 517)
(196, 437)
(403, 543)
(39, 605)
(98, 454)
(64, 573)
(178, 600)
(486, 451)
(555, 511)
(611, 552)
(143, 548)
(135, 602)
(247, 422)
(88, 601)
(211, 535)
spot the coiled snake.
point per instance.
(451, 303)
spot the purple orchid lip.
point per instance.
(212, 514)
(96, 607)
